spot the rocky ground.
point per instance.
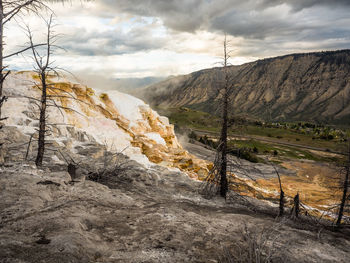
(139, 215)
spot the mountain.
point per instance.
(308, 87)
(115, 120)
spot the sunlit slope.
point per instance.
(309, 87)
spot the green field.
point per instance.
(187, 118)
(280, 152)
(264, 138)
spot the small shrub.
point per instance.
(244, 153)
(248, 156)
(192, 135)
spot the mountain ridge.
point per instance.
(311, 86)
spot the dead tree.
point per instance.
(218, 175)
(49, 91)
(296, 207)
(281, 203)
(345, 188)
(43, 68)
(223, 137)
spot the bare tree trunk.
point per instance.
(345, 189)
(296, 206)
(281, 206)
(42, 122)
(223, 161)
(223, 138)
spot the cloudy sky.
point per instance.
(139, 38)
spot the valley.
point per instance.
(308, 165)
(311, 87)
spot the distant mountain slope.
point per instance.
(312, 87)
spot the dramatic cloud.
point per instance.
(113, 42)
(156, 37)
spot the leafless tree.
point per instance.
(281, 204)
(223, 137)
(49, 92)
(218, 174)
(345, 187)
(296, 207)
(43, 68)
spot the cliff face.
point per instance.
(311, 87)
(117, 120)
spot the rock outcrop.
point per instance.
(114, 119)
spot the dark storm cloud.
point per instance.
(112, 42)
(298, 5)
(182, 15)
(232, 16)
(319, 23)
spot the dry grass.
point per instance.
(262, 246)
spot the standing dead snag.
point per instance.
(217, 177)
(49, 92)
(281, 205)
(296, 207)
(345, 188)
(42, 120)
(43, 68)
(223, 137)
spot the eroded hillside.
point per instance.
(314, 86)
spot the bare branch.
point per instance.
(23, 50)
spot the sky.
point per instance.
(140, 38)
